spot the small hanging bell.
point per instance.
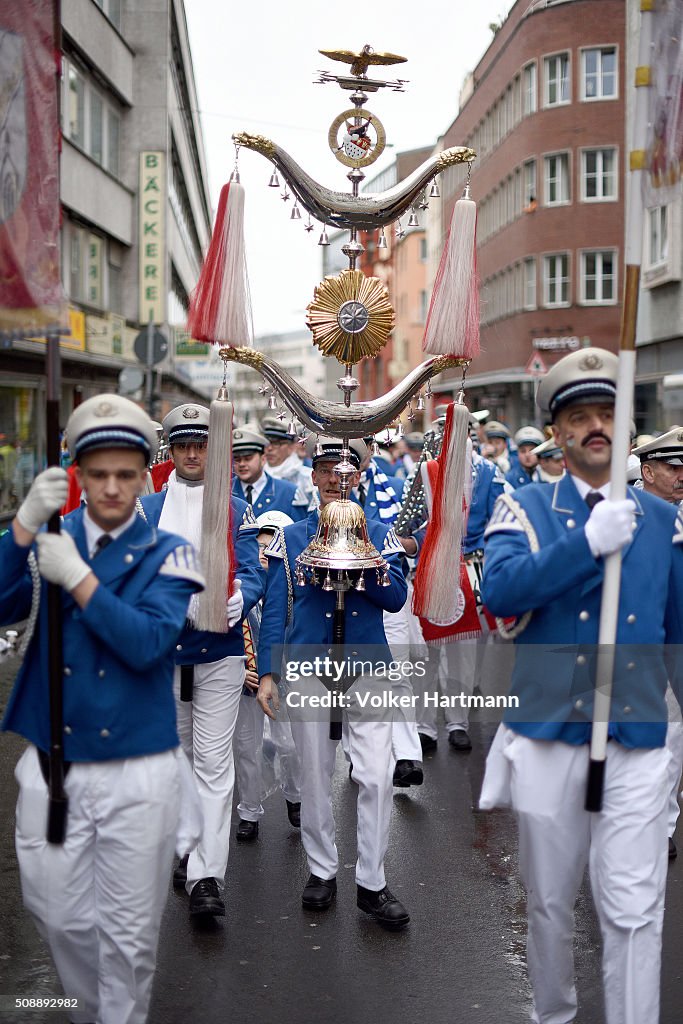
(272, 402)
(327, 585)
(274, 180)
(420, 404)
(291, 428)
(385, 581)
(434, 191)
(323, 240)
(374, 447)
(382, 240)
(296, 212)
(413, 222)
(300, 578)
(361, 582)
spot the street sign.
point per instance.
(159, 347)
(536, 366)
(131, 379)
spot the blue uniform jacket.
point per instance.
(562, 585)
(488, 484)
(276, 496)
(311, 621)
(518, 477)
(195, 646)
(118, 650)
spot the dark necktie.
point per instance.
(249, 491)
(593, 497)
(362, 493)
(102, 542)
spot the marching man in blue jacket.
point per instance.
(211, 664)
(310, 623)
(259, 489)
(545, 551)
(98, 897)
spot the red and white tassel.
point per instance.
(453, 320)
(220, 308)
(436, 594)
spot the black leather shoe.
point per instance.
(180, 873)
(408, 773)
(673, 852)
(206, 899)
(319, 893)
(383, 906)
(247, 831)
(427, 742)
(294, 813)
(459, 740)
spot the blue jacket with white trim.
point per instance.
(118, 650)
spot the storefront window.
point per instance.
(19, 455)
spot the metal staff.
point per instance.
(609, 607)
(58, 805)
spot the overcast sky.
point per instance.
(254, 64)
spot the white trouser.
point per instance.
(248, 747)
(405, 742)
(456, 668)
(98, 898)
(206, 726)
(674, 742)
(625, 848)
(369, 746)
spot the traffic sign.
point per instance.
(536, 366)
(159, 347)
(131, 379)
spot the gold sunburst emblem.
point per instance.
(351, 316)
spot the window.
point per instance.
(87, 272)
(556, 280)
(423, 249)
(659, 236)
(598, 277)
(599, 80)
(530, 192)
(556, 179)
(529, 300)
(556, 79)
(424, 306)
(92, 122)
(529, 103)
(598, 174)
(112, 9)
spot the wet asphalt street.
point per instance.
(460, 960)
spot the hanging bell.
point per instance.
(296, 212)
(318, 450)
(374, 447)
(300, 577)
(420, 404)
(399, 430)
(327, 585)
(382, 240)
(413, 222)
(361, 583)
(434, 191)
(385, 581)
(323, 240)
(272, 402)
(274, 180)
(291, 428)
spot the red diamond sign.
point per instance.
(536, 367)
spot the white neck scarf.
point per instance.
(182, 514)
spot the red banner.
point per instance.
(30, 287)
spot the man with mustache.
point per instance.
(545, 554)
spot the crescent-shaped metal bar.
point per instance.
(325, 417)
(341, 209)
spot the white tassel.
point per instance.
(453, 320)
(216, 519)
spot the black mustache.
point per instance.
(592, 437)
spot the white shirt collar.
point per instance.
(583, 488)
(258, 486)
(93, 532)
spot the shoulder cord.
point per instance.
(35, 605)
(288, 574)
(518, 627)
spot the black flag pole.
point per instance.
(58, 802)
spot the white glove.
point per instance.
(235, 604)
(59, 560)
(610, 526)
(47, 495)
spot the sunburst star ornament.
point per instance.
(351, 316)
